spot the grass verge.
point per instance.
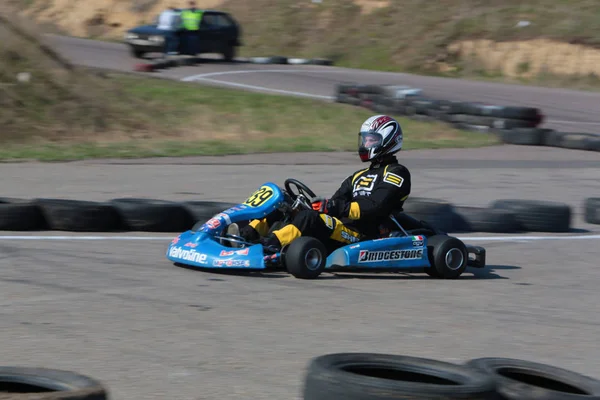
(191, 120)
(60, 112)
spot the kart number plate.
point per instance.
(259, 197)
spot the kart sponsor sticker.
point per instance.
(224, 216)
(187, 255)
(243, 252)
(175, 240)
(390, 255)
(213, 223)
(231, 263)
(417, 241)
(190, 244)
(232, 210)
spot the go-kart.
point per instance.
(412, 246)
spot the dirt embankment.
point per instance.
(43, 98)
(458, 37)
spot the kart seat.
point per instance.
(411, 225)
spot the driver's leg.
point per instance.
(312, 223)
(258, 228)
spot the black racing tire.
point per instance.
(203, 210)
(321, 61)
(524, 136)
(437, 213)
(369, 376)
(470, 127)
(538, 215)
(151, 215)
(526, 380)
(422, 104)
(477, 219)
(492, 122)
(297, 254)
(79, 215)
(522, 113)
(26, 383)
(580, 141)
(229, 52)
(552, 138)
(447, 255)
(136, 53)
(591, 210)
(20, 215)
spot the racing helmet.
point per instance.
(378, 136)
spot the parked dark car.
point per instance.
(219, 33)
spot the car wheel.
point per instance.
(448, 255)
(137, 53)
(305, 258)
(229, 53)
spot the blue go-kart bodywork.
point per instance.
(423, 249)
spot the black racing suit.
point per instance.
(356, 211)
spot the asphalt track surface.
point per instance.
(112, 306)
(565, 110)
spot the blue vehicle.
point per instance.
(421, 248)
(219, 33)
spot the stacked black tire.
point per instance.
(501, 216)
(512, 125)
(116, 215)
(26, 383)
(155, 215)
(369, 376)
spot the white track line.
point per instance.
(264, 89)
(163, 238)
(249, 71)
(205, 77)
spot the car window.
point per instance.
(210, 21)
(224, 21)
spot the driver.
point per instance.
(361, 205)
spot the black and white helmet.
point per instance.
(378, 136)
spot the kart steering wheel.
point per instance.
(302, 189)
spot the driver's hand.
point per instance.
(319, 204)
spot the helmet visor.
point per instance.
(369, 140)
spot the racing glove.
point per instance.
(327, 206)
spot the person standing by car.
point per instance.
(169, 21)
(191, 19)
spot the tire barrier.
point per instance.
(164, 63)
(501, 216)
(155, 215)
(512, 125)
(25, 383)
(372, 376)
(362, 376)
(526, 380)
(591, 210)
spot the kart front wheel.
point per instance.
(448, 256)
(305, 258)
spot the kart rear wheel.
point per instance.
(447, 255)
(305, 258)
